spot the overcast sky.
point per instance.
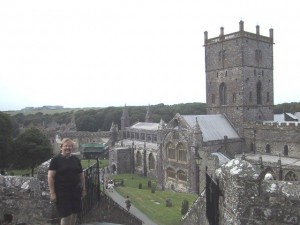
(98, 53)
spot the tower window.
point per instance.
(259, 93)
(286, 150)
(250, 96)
(258, 55)
(222, 55)
(222, 92)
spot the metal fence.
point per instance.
(92, 182)
(212, 200)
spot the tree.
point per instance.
(5, 139)
(31, 148)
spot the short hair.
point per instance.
(66, 140)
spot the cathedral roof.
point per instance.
(213, 127)
(145, 126)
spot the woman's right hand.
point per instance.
(52, 197)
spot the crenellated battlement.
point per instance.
(240, 34)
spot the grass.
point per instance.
(19, 172)
(154, 204)
(85, 164)
(88, 162)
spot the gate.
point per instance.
(212, 201)
(92, 183)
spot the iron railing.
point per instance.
(212, 200)
(92, 183)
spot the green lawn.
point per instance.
(23, 172)
(154, 204)
(85, 164)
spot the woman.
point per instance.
(66, 183)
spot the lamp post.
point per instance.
(198, 161)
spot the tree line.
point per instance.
(31, 147)
(101, 119)
(26, 150)
(23, 145)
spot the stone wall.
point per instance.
(110, 211)
(193, 216)
(26, 199)
(276, 136)
(246, 199)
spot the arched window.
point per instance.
(138, 158)
(222, 92)
(171, 173)
(259, 93)
(290, 176)
(149, 138)
(181, 175)
(171, 151)
(151, 161)
(182, 152)
(268, 148)
(267, 174)
(286, 150)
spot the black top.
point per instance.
(67, 172)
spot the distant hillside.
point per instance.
(95, 119)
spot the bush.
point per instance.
(140, 186)
(153, 189)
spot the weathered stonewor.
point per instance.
(248, 198)
(26, 198)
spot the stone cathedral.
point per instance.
(240, 140)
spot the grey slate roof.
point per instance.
(213, 127)
(145, 126)
(282, 117)
(297, 114)
(222, 158)
(279, 117)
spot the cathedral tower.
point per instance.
(239, 75)
(125, 121)
(148, 117)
